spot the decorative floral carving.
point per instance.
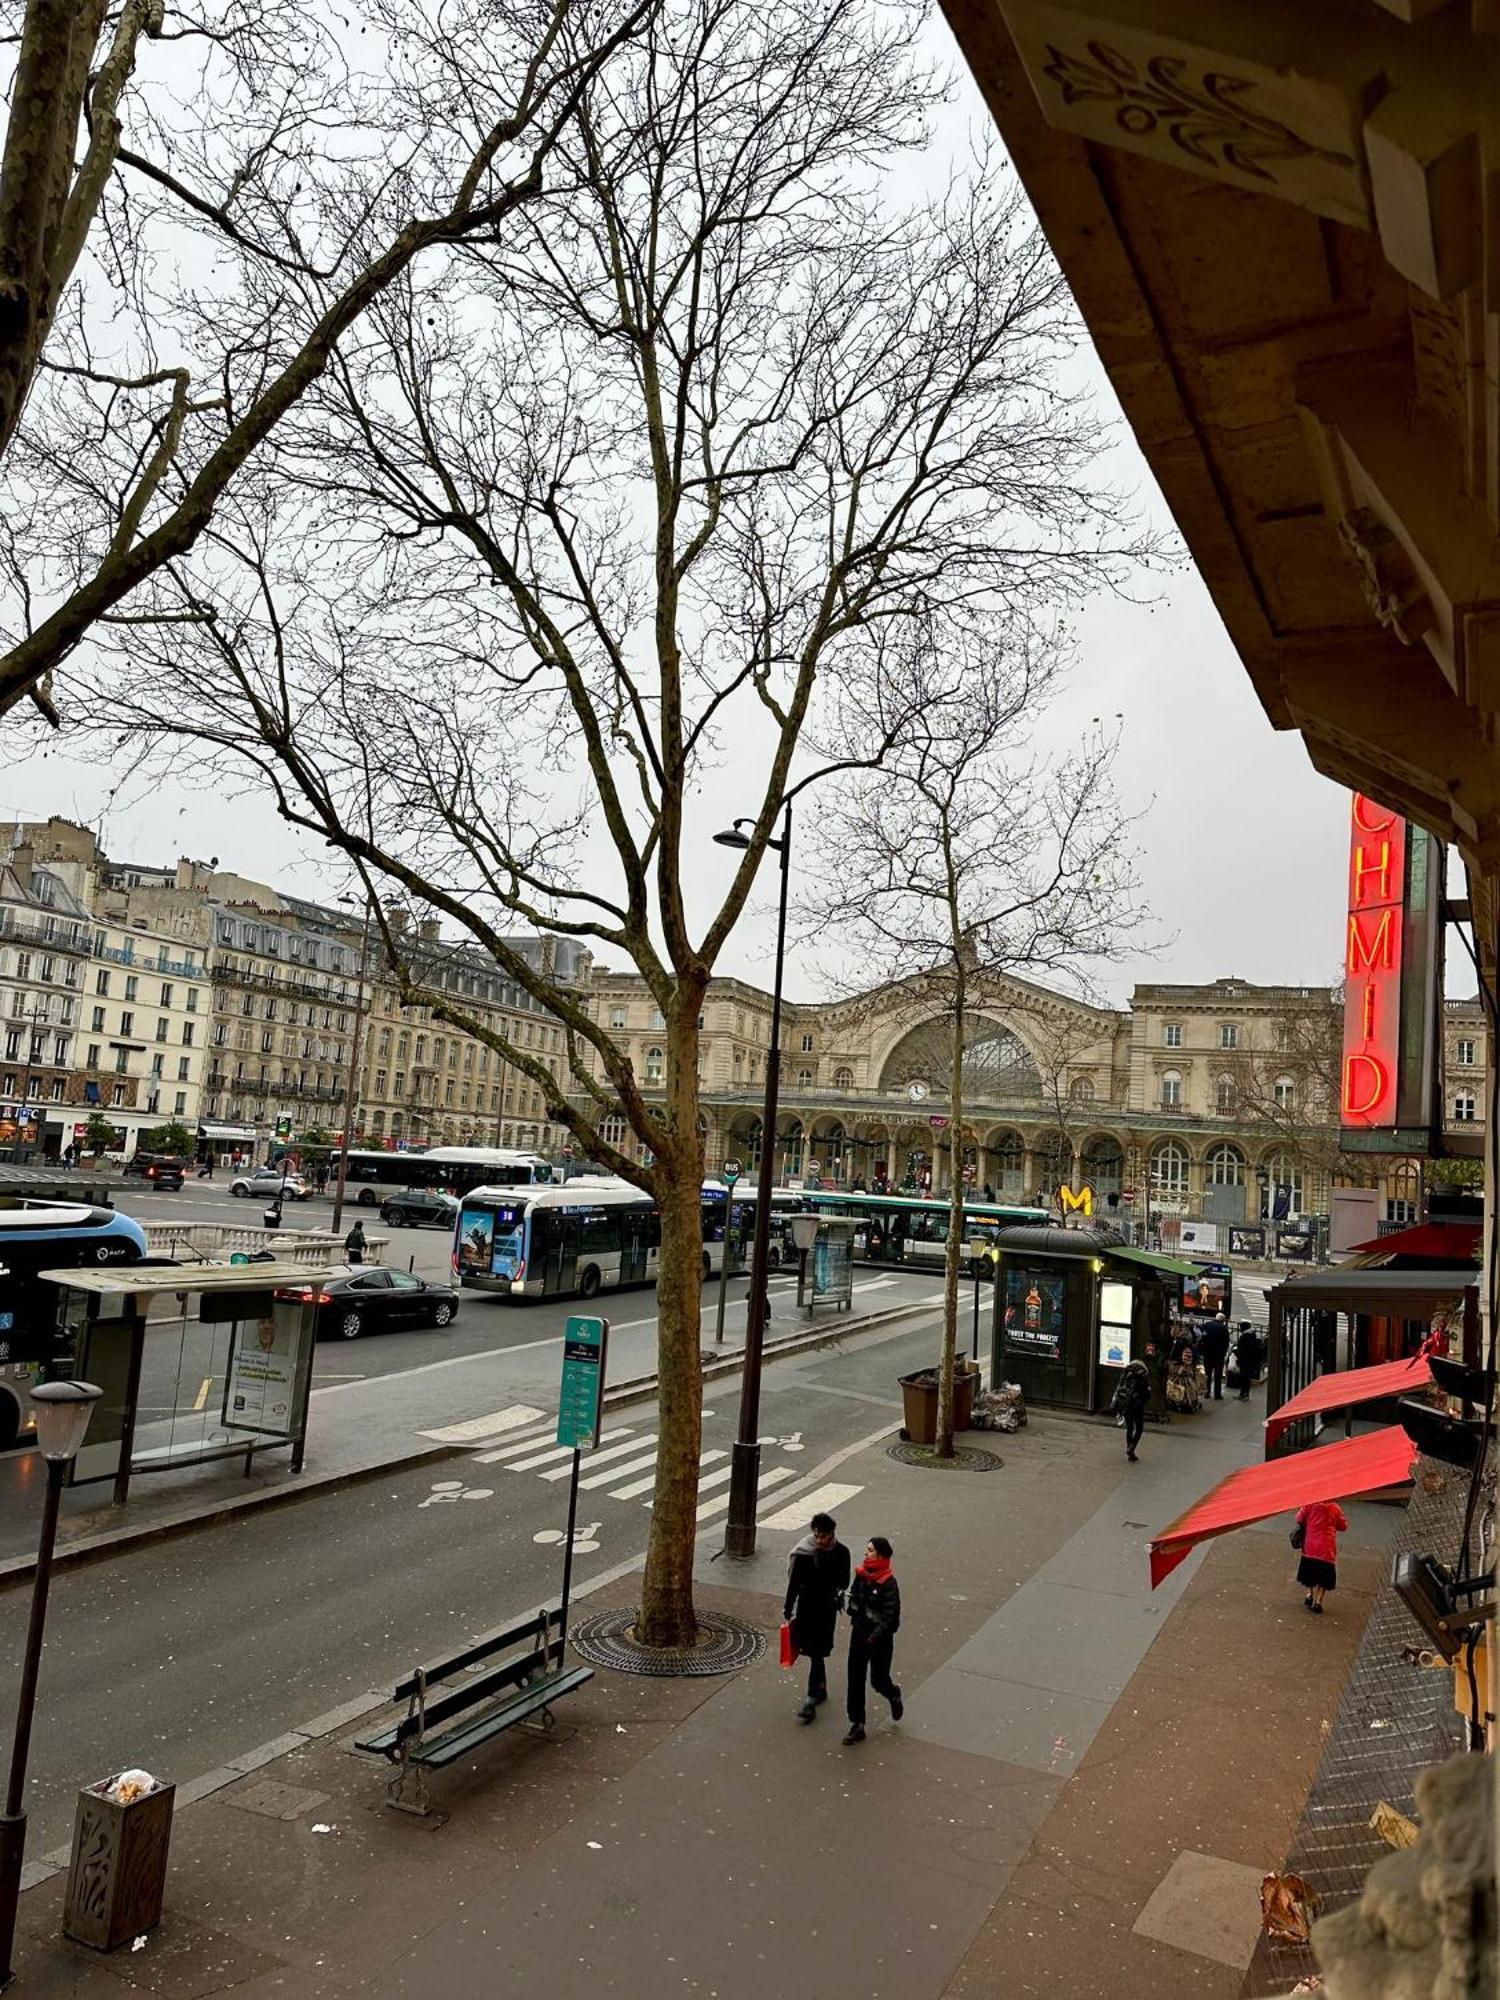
(1209, 117)
(1391, 584)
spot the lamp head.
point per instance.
(804, 1231)
(60, 1412)
(732, 836)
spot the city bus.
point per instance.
(40, 1235)
(785, 1203)
(373, 1173)
(912, 1230)
(590, 1235)
(586, 1237)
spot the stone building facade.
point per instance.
(1210, 1096)
(99, 1013)
(205, 996)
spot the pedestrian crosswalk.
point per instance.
(521, 1439)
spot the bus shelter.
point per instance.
(220, 1355)
(1073, 1307)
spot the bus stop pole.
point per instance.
(567, 1582)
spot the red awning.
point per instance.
(1279, 1486)
(1433, 1242)
(1338, 1389)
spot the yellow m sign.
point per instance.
(1078, 1201)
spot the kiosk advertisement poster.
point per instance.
(268, 1364)
(1116, 1308)
(1034, 1313)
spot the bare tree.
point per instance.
(1283, 1085)
(291, 164)
(978, 857)
(579, 527)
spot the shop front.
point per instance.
(1073, 1307)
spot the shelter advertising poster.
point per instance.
(1034, 1313)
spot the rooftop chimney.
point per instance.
(430, 930)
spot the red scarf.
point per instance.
(876, 1568)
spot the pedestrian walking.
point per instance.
(322, 1175)
(1247, 1359)
(1316, 1534)
(1132, 1394)
(817, 1578)
(1213, 1349)
(875, 1619)
(354, 1244)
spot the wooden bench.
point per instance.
(519, 1690)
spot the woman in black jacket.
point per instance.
(875, 1617)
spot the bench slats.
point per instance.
(455, 1702)
(439, 1750)
(524, 1633)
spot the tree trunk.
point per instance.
(667, 1617)
(953, 1251)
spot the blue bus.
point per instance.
(40, 1235)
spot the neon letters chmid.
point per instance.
(1372, 964)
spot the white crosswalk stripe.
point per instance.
(557, 1452)
(775, 1476)
(822, 1501)
(520, 1416)
(639, 1486)
(616, 1451)
(532, 1441)
(528, 1447)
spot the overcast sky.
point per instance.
(1242, 844)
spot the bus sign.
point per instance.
(580, 1406)
(730, 1172)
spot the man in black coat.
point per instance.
(1213, 1351)
(816, 1581)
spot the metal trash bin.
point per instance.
(117, 1876)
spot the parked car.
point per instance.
(374, 1298)
(414, 1207)
(265, 1181)
(161, 1169)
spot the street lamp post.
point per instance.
(804, 1236)
(351, 1083)
(61, 1411)
(744, 1477)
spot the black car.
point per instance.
(374, 1298)
(415, 1206)
(161, 1172)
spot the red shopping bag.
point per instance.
(788, 1647)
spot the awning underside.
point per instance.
(1281, 1485)
(1342, 1388)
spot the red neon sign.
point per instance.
(1372, 965)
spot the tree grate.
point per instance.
(966, 1458)
(608, 1640)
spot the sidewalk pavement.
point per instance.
(361, 1428)
(1088, 1784)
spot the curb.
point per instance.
(100, 1547)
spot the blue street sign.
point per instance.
(580, 1405)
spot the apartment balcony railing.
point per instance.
(127, 955)
(18, 930)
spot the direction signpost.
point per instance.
(729, 1173)
(580, 1412)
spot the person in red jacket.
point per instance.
(1321, 1522)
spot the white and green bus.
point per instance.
(593, 1235)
